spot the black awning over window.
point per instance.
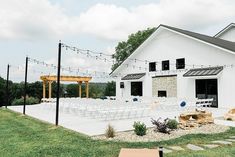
(203, 71)
(133, 76)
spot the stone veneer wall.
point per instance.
(165, 83)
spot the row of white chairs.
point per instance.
(103, 110)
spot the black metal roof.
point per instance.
(133, 76)
(203, 71)
(212, 40)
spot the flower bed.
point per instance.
(151, 135)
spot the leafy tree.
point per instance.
(72, 90)
(54, 89)
(96, 90)
(2, 91)
(110, 89)
(35, 90)
(125, 48)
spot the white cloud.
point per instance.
(34, 19)
(42, 20)
(31, 19)
(112, 22)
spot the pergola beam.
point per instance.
(78, 79)
(66, 78)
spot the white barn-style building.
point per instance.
(177, 63)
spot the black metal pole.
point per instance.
(7, 86)
(160, 151)
(25, 83)
(58, 85)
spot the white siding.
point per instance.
(169, 45)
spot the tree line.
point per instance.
(35, 89)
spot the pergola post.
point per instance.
(80, 89)
(50, 82)
(87, 89)
(44, 89)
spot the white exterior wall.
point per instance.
(226, 88)
(228, 35)
(169, 45)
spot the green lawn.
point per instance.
(28, 137)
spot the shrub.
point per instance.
(29, 101)
(110, 132)
(172, 124)
(161, 126)
(139, 128)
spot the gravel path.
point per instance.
(129, 136)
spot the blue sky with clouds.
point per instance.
(34, 27)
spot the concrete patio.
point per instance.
(95, 126)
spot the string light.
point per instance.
(71, 69)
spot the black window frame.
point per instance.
(180, 65)
(137, 88)
(152, 66)
(122, 85)
(165, 65)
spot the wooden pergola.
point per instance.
(78, 79)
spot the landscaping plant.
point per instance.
(161, 126)
(139, 128)
(110, 132)
(172, 124)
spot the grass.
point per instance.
(22, 136)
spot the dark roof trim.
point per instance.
(133, 76)
(224, 30)
(208, 39)
(211, 71)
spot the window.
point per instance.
(162, 93)
(121, 84)
(166, 65)
(136, 88)
(180, 63)
(152, 66)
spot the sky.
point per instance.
(34, 27)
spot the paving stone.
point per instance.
(233, 137)
(166, 150)
(230, 140)
(194, 147)
(222, 142)
(211, 145)
(177, 148)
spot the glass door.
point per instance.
(206, 89)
